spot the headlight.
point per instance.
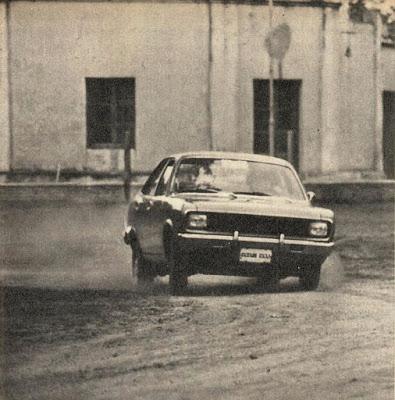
(197, 221)
(318, 229)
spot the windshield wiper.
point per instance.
(201, 190)
(254, 193)
(210, 190)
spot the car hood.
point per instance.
(268, 205)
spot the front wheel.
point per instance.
(270, 281)
(309, 278)
(178, 282)
(178, 278)
(141, 269)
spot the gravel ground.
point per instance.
(74, 327)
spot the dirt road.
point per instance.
(75, 328)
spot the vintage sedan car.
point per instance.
(227, 214)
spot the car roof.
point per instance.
(233, 156)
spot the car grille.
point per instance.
(257, 225)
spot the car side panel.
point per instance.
(154, 228)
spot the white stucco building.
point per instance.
(185, 75)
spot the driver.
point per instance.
(186, 178)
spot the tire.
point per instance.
(141, 269)
(178, 282)
(178, 278)
(269, 281)
(309, 278)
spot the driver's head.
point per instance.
(186, 176)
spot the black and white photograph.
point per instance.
(197, 199)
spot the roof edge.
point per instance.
(280, 3)
(240, 156)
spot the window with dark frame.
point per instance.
(110, 112)
(286, 112)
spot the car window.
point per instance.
(160, 190)
(238, 176)
(150, 186)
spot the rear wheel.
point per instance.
(141, 269)
(309, 278)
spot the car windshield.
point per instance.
(208, 175)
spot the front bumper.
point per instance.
(220, 253)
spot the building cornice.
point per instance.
(280, 3)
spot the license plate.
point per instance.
(261, 256)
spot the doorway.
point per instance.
(286, 113)
(388, 134)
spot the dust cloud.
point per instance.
(332, 272)
(64, 246)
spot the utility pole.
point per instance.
(271, 86)
(277, 43)
(127, 161)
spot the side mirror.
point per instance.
(311, 196)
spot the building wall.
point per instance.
(357, 85)
(56, 45)
(330, 92)
(302, 61)
(388, 63)
(184, 101)
(4, 92)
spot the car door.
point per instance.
(143, 216)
